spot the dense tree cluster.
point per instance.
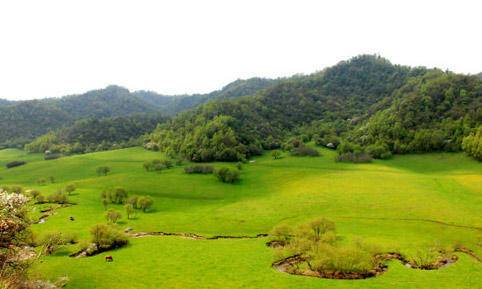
(90, 135)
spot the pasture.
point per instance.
(406, 204)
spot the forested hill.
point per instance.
(171, 105)
(366, 103)
(22, 121)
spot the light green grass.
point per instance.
(389, 203)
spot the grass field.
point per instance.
(406, 204)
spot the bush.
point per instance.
(379, 151)
(115, 196)
(103, 171)
(144, 203)
(15, 164)
(227, 175)
(107, 237)
(158, 165)
(472, 144)
(302, 151)
(70, 188)
(113, 216)
(276, 154)
(199, 169)
(58, 198)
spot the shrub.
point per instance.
(103, 171)
(70, 188)
(115, 196)
(15, 164)
(144, 203)
(158, 165)
(113, 215)
(379, 151)
(199, 169)
(227, 175)
(276, 154)
(107, 237)
(302, 151)
(472, 144)
(133, 201)
(58, 198)
(130, 210)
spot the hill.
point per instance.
(340, 96)
(22, 121)
(418, 205)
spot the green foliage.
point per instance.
(379, 151)
(130, 210)
(58, 197)
(157, 165)
(227, 175)
(472, 144)
(115, 196)
(113, 216)
(103, 171)
(318, 244)
(145, 203)
(276, 154)
(303, 151)
(108, 237)
(70, 188)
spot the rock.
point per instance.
(330, 145)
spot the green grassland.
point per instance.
(406, 204)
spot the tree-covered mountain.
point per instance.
(22, 121)
(89, 135)
(171, 105)
(345, 102)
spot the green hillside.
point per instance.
(408, 204)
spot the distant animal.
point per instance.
(72, 218)
(109, 259)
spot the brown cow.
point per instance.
(109, 259)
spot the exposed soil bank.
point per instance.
(194, 236)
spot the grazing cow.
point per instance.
(109, 259)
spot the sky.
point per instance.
(52, 48)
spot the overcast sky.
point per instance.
(53, 48)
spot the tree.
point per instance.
(70, 188)
(113, 216)
(144, 203)
(103, 171)
(130, 210)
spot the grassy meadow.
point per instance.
(407, 204)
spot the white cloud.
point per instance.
(53, 48)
